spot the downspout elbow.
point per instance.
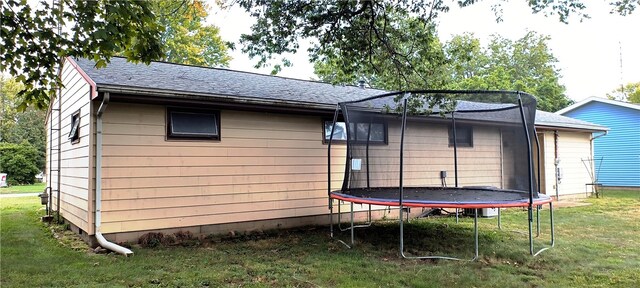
(603, 134)
(98, 219)
(104, 243)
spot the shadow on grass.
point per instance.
(426, 237)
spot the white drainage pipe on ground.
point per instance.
(98, 221)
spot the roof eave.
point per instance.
(597, 99)
(185, 95)
(569, 127)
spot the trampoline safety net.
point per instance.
(449, 139)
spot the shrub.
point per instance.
(19, 161)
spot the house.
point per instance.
(565, 143)
(617, 155)
(170, 147)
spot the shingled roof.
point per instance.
(219, 83)
(551, 120)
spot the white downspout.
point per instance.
(101, 240)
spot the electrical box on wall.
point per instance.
(356, 164)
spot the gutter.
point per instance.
(101, 240)
(206, 96)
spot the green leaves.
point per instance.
(18, 127)
(19, 162)
(36, 41)
(462, 63)
(526, 65)
(369, 38)
(628, 93)
(185, 37)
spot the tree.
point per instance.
(358, 31)
(462, 63)
(628, 93)
(185, 38)
(424, 61)
(141, 31)
(20, 127)
(9, 89)
(526, 65)
(19, 161)
(35, 40)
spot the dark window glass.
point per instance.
(193, 124)
(339, 132)
(464, 136)
(359, 132)
(378, 132)
(74, 133)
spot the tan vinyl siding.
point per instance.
(573, 147)
(266, 166)
(75, 158)
(549, 163)
(427, 152)
(540, 166)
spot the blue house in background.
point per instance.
(620, 149)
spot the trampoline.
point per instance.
(400, 145)
(436, 197)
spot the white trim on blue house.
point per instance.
(598, 99)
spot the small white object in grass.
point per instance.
(356, 164)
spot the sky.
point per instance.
(589, 52)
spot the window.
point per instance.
(464, 136)
(339, 133)
(193, 124)
(74, 132)
(359, 132)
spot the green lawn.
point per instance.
(597, 246)
(33, 188)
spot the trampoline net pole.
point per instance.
(530, 169)
(333, 127)
(367, 156)
(455, 152)
(404, 126)
(539, 177)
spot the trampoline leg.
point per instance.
(457, 217)
(475, 245)
(475, 234)
(553, 235)
(352, 230)
(331, 218)
(401, 233)
(537, 220)
(499, 219)
(340, 216)
(530, 220)
(331, 224)
(367, 224)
